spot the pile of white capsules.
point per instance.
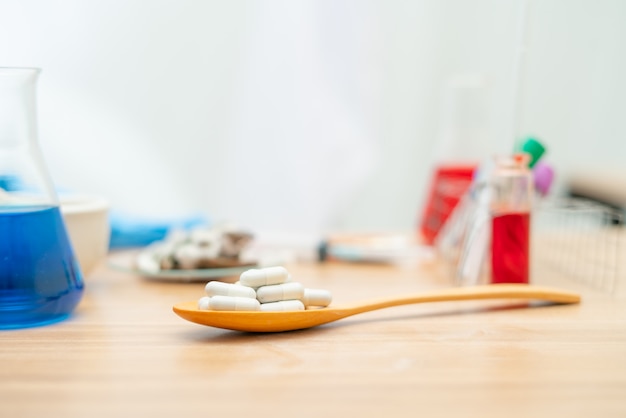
(266, 289)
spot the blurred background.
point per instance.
(302, 117)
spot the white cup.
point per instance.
(87, 223)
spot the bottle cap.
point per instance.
(535, 148)
(515, 161)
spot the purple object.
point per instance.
(543, 174)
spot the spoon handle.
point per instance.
(498, 291)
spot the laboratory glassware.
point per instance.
(511, 201)
(40, 279)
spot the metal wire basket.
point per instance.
(581, 240)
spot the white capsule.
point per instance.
(215, 288)
(283, 305)
(204, 303)
(205, 237)
(264, 277)
(238, 283)
(147, 263)
(316, 297)
(187, 256)
(233, 303)
(278, 292)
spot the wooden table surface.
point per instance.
(125, 353)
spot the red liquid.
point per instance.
(510, 247)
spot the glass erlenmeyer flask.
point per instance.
(40, 280)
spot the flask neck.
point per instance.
(24, 179)
(18, 125)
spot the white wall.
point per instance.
(304, 116)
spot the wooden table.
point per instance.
(126, 353)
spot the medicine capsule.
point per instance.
(233, 303)
(238, 283)
(264, 277)
(278, 292)
(146, 262)
(204, 303)
(316, 297)
(226, 289)
(283, 305)
(187, 256)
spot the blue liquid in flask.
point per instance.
(40, 281)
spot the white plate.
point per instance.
(126, 262)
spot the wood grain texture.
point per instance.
(125, 352)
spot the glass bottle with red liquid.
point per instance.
(511, 202)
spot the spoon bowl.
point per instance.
(261, 321)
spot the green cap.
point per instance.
(534, 148)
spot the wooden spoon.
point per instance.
(260, 321)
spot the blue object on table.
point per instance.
(10, 183)
(137, 231)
